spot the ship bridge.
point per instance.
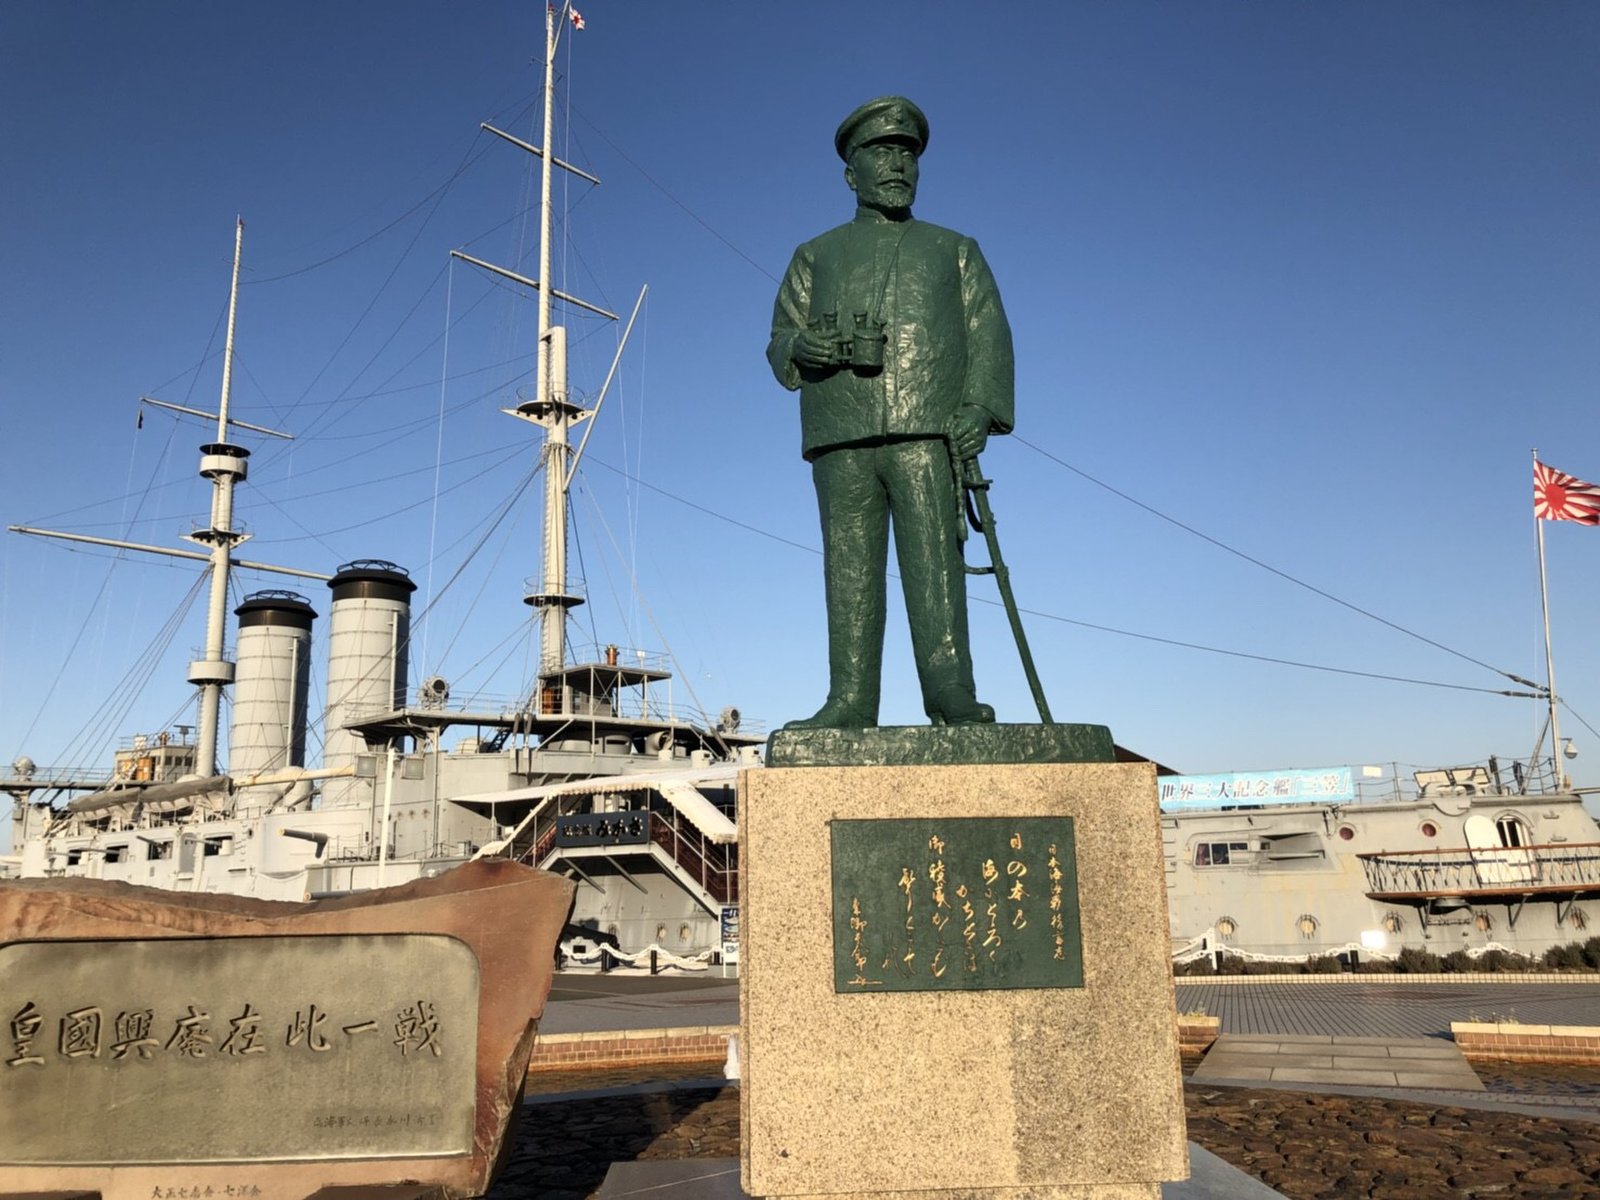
(1444, 880)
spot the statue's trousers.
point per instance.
(859, 490)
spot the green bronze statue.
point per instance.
(893, 333)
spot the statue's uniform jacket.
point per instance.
(949, 343)
(876, 441)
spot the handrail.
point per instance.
(1438, 850)
(1560, 868)
(714, 866)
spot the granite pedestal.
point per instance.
(1041, 1061)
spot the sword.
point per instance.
(976, 492)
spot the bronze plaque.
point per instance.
(207, 1050)
(955, 904)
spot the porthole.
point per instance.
(1393, 923)
(683, 933)
(1429, 829)
(661, 934)
(1226, 927)
(1483, 923)
(1346, 833)
(1578, 919)
(1306, 924)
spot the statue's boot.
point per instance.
(956, 705)
(838, 714)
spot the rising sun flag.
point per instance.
(1561, 497)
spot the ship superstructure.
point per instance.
(1474, 858)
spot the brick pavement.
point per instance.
(1343, 1006)
(1384, 1008)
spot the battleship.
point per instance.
(599, 771)
(595, 771)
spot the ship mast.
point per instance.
(224, 464)
(550, 407)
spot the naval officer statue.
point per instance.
(892, 331)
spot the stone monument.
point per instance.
(954, 938)
(164, 1046)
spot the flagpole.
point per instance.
(1549, 660)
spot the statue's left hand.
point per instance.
(968, 431)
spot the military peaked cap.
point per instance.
(885, 117)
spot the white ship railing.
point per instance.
(54, 776)
(1567, 868)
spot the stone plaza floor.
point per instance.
(1533, 1133)
(1386, 1007)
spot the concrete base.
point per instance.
(718, 1179)
(1355, 1061)
(1037, 1092)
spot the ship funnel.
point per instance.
(369, 632)
(270, 687)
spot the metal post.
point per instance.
(1549, 660)
(383, 828)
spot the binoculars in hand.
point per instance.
(860, 348)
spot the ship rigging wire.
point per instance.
(662, 188)
(1284, 575)
(507, 507)
(467, 160)
(438, 443)
(1538, 691)
(1086, 624)
(344, 404)
(105, 583)
(102, 723)
(644, 605)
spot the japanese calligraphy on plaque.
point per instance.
(237, 1049)
(965, 903)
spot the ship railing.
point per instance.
(715, 865)
(1564, 867)
(1501, 777)
(178, 736)
(51, 776)
(626, 656)
(712, 865)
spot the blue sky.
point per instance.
(1311, 279)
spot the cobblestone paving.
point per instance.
(1541, 1079)
(1385, 1009)
(1333, 1147)
(1309, 1147)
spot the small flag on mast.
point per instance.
(573, 15)
(1558, 496)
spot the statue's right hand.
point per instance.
(812, 350)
